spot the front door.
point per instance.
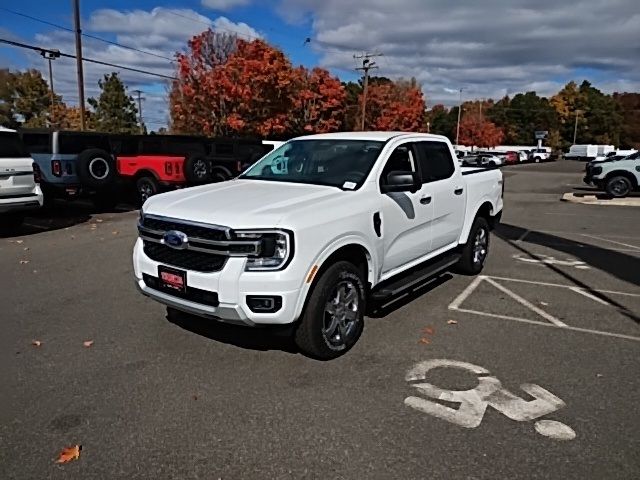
(405, 216)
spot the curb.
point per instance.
(594, 200)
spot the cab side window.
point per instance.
(436, 162)
(401, 159)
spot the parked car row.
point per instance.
(103, 166)
(500, 158)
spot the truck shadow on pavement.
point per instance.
(618, 264)
(251, 338)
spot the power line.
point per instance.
(94, 37)
(367, 65)
(90, 60)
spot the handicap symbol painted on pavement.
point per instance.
(488, 393)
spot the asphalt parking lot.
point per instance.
(529, 371)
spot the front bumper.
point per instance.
(232, 285)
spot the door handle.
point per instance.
(458, 191)
(425, 200)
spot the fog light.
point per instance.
(264, 304)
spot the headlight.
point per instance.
(596, 170)
(276, 249)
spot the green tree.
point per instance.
(25, 98)
(114, 110)
(352, 90)
(441, 122)
(603, 121)
(7, 94)
(629, 107)
(522, 115)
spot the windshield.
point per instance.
(337, 163)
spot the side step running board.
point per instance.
(405, 282)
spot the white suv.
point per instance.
(19, 189)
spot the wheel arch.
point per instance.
(352, 250)
(485, 210)
(622, 173)
(145, 172)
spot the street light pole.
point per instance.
(51, 55)
(575, 128)
(459, 111)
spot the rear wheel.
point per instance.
(146, 187)
(334, 315)
(197, 170)
(475, 251)
(618, 186)
(537, 159)
(220, 174)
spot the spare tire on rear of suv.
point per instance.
(96, 168)
(197, 169)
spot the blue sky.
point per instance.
(489, 48)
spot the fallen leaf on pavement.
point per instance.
(115, 232)
(88, 343)
(19, 241)
(424, 341)
(428, 330)
(36, 343)
(195, 397)
(544, 303)
(25, 248)
(99, 220)
(24, 262)
(452, 322)
(69, 453)
(35, 271)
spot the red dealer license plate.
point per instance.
(173, 279)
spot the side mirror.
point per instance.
(401, 181)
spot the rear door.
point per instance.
(445, 185)
(406, 217)
(16, 167)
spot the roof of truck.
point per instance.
(374, 136)
(3, 129)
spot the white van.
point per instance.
(19, 188)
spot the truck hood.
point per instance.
(241, 203)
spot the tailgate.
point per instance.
(16, 177)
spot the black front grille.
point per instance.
(206, 233)
(186, 259)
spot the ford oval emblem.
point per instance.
(175, 239)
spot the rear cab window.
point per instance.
(435, 160)
(11, 146)
(37, 142)
(73, 143)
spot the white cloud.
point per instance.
(160, 31)
(224, 4)
(489, 48)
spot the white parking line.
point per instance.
(610, 241)
(526, 303)
(521, 237)
(551, 320)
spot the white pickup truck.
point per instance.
(19, 181)
(316, 232)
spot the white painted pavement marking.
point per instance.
(521, 237)
(584, 292)
(610, 241)
(473, 403)
(549, 260)
(526, 303)
(455, 306)
(555, 430)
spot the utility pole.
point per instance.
(76, 17)
(139, 93)
(459, 111)
(51, 55)
(481, 100)
(575, 128)
(367, 65)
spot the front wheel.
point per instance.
(474, 252)
(618, 186)
(334, 315)
(146, 187)
(537, 159)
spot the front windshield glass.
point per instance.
(337, 163)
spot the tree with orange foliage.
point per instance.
(478, 132)
(250, 89)
(395, 106)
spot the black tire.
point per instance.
(105, 201)
(492, 164)
(197, 169)
(537, 159)
(220, 174)
(618, 186)
(146, 187)
(469, 264)
(96, 168)
(314, 334)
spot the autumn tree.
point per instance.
(25, 99)
(319, 105)
(395, 106)
(68, 117)
(629, 107)
(479, 132)
(114, 110)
